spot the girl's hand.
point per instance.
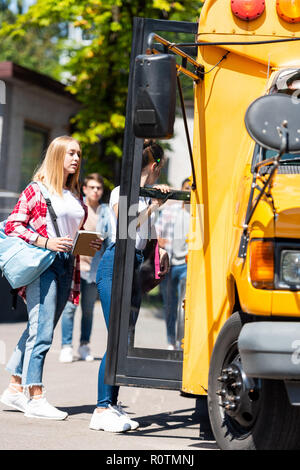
(61, 244)
(96, 244)
(164, 188)
(164, 262)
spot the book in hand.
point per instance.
(82, 240)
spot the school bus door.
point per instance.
(125, 363)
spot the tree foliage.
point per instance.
(99, 69)
(36, 48)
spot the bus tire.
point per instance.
(246, 413)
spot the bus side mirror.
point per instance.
(268, 116)
(154, 103)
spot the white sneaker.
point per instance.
(40, 408)
(109, 420)
(66, 354)
(85, 353)
(133, 424)
(16, 400)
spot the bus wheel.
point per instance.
(247, 413)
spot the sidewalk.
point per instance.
(166, 418)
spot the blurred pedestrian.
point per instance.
(172, 228)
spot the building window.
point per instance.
(34, 145)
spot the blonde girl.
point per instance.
(46, 297)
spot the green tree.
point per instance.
(99, 71)
(36, 48)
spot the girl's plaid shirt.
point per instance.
(31, 209)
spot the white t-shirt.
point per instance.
(69, 212)
(143, 232)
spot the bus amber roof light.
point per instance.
(289, 10)
(248, 9)
(262, 264)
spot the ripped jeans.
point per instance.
(46, 298)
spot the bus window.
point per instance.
(266, 153)
(261, 154)
(287, 81)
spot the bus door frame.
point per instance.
(142, 367)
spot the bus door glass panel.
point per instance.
(161, 311)
(157, 311)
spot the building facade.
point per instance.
(34, 109)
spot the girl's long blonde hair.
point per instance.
(51, 171)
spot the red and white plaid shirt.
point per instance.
(31, 209)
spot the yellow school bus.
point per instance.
(241, 345)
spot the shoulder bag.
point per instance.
(150, 268)
(21, 263)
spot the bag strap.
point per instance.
(149, 231)
(49, 206)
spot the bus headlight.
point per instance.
(290, 267)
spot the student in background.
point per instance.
(172, 229)
(97, 220)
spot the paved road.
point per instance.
(167, 419)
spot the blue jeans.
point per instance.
(89, 295)
(108, 394)
(46, 299)
(170, 291)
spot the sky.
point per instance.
(27, 4)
